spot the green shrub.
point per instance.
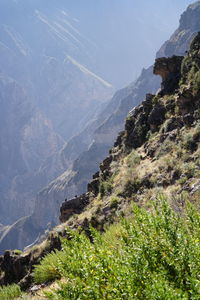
(153, 255)
(17, 252)
(10, 292)
(131, 187)
(196, 82)
(49, 268)
(114, 202)
(105, 188)
(133, 159)
(182, 180)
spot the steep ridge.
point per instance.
(147, 82)
(188, 27)
(157, 153)
(79, 163)
(74, 180)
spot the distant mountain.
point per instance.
(46, 97)
(112, 33)
(26, 139)
(41, 48)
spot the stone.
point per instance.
(14, 267)
(185, 101)
(157, 115)
(172, 124)
(105, 164)
(188, 119)
(170, 71)
(93, 187)
(73, 206)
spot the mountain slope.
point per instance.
(75, 159)
(74, 180)
(155, 157)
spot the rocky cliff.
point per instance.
(79, 159)
(188, 27)
(74, 180)
(156, 154)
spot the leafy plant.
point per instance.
(153, 255)
(105, 187)
(49, 269)
(114, 202)
(10, 292)
(133, 159)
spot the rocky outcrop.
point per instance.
(18, 268)
(73, 206)
(168, 67)
(170, 71)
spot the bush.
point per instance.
(10, 292)
(17, 252)
(133, 159)
(49, 268)
(131, 187)
(105, 188)
(196, 84)
(155, 255)
(114, 202)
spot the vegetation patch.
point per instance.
(10, 292)
(148, 256)
(105, 188)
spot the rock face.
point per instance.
(73, 206)
(18, 268)
(74, 180)
(169, 70)
(180, 41)
(137, 136)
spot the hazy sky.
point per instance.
(136, 27)
(127, 33)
